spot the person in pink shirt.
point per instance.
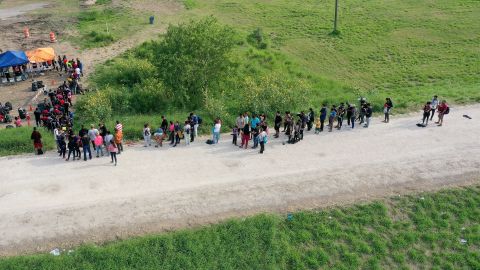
(98, 144)
(18, 122)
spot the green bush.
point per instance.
(124, 72)
(95, 106)
(194, 59)
(150, 96)
(272, 92)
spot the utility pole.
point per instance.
(335, 31)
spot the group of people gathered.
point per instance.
(246, 128)
(99, 138)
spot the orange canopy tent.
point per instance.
(40, 55)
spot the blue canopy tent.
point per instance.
(13, 58)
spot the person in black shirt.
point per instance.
(37, 113)
(323, 116)
(278, 123)
(368, 114)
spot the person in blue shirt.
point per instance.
(331, 118)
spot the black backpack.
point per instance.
(447, 110)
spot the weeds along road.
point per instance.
(46, 202)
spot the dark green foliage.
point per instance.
(194, 58)
(378, 235)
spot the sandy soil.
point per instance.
(46, 202)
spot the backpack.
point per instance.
(447, 110)
(265, 139)
(209, 141)
(199, 120)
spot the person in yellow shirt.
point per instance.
(317, 125)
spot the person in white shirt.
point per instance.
(216, 131)
(147, 135)
(56, 133)
(433, 106)
(187, 129)
(262, 137)
(92, 134)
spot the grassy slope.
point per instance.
(419, 231)
(405, 49)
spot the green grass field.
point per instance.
(17, 141)
(422, 231)
(408, 50)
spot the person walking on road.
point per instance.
(118, 137)
(353, 115)
(217, 127)
(92, 134)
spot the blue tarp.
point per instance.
(13, 58)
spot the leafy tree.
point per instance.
(194, 58)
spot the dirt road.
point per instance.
(46, 202)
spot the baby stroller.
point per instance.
(22, 113)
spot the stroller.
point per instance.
(37, 85)
(22, 113)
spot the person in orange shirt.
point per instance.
(119, 140)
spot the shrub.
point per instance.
(124, 72)
(194, 59)
(257, 40)
(272, 92)
(150, 96)
(95, 106)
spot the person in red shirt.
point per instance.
(442, 110)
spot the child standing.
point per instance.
(235, 135)
(318, 125)
(147, 135)
(112, 148)
(262, 137)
